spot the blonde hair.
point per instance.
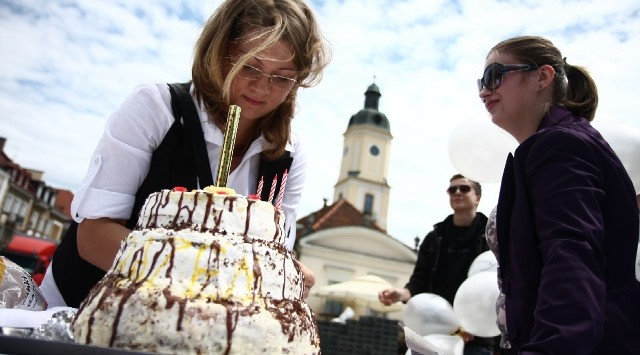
(573, 86)
(272, 21)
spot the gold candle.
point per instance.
(224, 166)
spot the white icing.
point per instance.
(199, 268)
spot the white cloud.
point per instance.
(68, 65)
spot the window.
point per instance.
(48, 229)
(373, 313)
(21, 210)
(333, 307)
(41, 225)
(368, 204)
(8, 204)
(33, 221)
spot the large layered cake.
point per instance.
(203, 272)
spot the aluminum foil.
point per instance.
(58, 328)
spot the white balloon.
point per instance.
(449, 344)
(625, 141)
(475, 304)
(428, 313)
(441, 344)
(484, 262)
(478, 150)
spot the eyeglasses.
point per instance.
(492, 76)
(454, 188)
(252, 73)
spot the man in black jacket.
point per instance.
(446, 254)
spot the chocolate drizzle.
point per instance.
(257, 277)
(174, 224)
(207, 211)
(248, 219)
(284, 276)
(230, 200)
(276, 220)
(234, 311)
(213, 247)
(232, 321)
(171, 258)
(295, 317)
(171, 300)
(299, 272)
(217, 219)
(155, 207)
(136, 281)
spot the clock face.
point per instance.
(374, 150)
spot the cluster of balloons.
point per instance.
(473, 309)
(625, 141)
(478, 150)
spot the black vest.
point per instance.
(177, 161)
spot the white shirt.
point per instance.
(122, 159)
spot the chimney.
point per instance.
(3, 140)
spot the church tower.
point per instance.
(365, 160)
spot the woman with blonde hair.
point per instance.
(255, 54)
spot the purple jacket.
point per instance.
(567, 227)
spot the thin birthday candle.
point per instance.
(282, 185)
(260, 185)
(273, 188)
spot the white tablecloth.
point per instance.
(19, 318)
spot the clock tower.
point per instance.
(365, 160)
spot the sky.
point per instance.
(68, 64)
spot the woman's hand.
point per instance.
(308, 278)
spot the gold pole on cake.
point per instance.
(224, 166)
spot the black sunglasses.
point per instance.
(463, 189)
(493, 73)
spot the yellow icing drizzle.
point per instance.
(220, 190)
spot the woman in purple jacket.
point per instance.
(567, 219)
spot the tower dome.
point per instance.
(370, 115)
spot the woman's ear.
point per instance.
(547, 74)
